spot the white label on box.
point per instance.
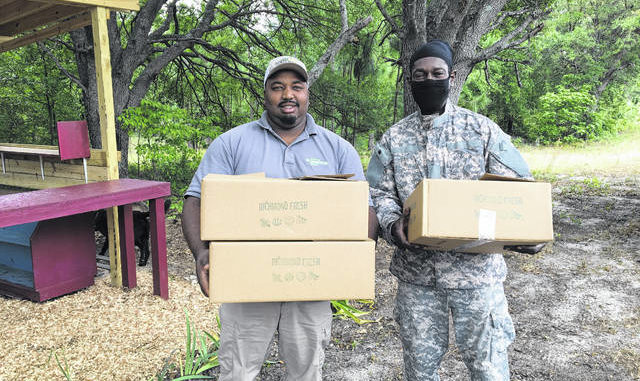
(486, 230)
(486, 224)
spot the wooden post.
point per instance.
(107, 129)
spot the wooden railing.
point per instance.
(39, 167)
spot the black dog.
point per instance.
(140, 231)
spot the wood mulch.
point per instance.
(102, 332)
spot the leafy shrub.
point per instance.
(168, 140)
(565, 116)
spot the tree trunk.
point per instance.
(414, 34)
(49, 101)
(462, 24)
(83, 42)
(372, 140)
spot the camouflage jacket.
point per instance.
(459, 144)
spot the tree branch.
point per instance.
(64, 43)
(394, 26)
(335, 47)
(510, 40)
(486, 72)
(48, 52)
(171, 13)
(344, 19)
(504, 15)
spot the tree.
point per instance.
(575, 81)
(462, 24)
(143, 44)
(34, 95)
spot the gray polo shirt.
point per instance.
(255, 147)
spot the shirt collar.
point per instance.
(427, 121)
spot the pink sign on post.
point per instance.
(73, 143)
(73, 140)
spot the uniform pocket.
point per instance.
(464, 164)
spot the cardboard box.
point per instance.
(479, 216)
(249, 208)
(291, 271)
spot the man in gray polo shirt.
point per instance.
(285, 142)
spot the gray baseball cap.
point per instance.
(288, 63)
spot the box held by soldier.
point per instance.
(472, 216)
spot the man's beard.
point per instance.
(287, 120)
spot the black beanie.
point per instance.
(433, 48)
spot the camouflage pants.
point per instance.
(482, 326)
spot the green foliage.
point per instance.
(201, 355)
(34, 95)
(167, 140)
(597, 185)
(591, 185)
(575, 81)
(544, 176)
(344, 310)
(564, 115)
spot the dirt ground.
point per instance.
(575, 305)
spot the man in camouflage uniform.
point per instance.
(443, 141)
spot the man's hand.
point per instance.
(202, 271)
(399, 231)
(526, 249)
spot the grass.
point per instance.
(617, 155)
(63, 365)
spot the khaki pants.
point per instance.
(247, 330)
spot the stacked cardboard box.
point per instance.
(287, 239)
(480, 216)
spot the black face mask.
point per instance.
(430, 95)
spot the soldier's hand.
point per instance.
(526, 249)
(399, 231)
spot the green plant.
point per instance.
(544, 176)
(595, 184)
(575, 220)
(344, 310)
(201, 355)
(62, 365)
(572, 188)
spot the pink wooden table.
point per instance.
(57, 203)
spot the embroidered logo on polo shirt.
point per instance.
(315, 162)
